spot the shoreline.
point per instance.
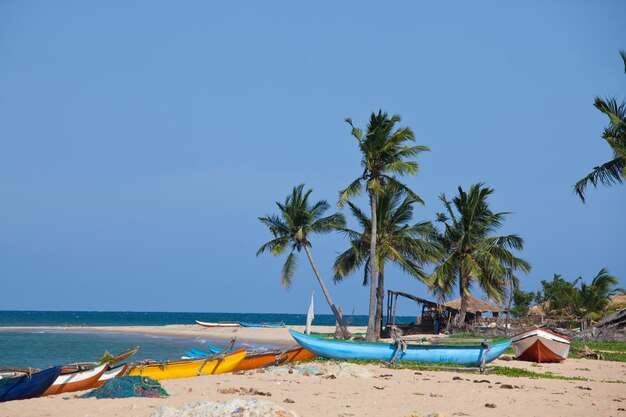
(278, 336)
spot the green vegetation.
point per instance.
(291, 230)
(613, 171)
(492, 370)
(564, 299)
(471, 253)
(519, 372)
(603, 346)
(408, 246)
(522, 301)
(614, 356)
(385, 153)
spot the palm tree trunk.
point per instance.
(508, 313)
(380, 295)
(329, 300)
(370, 335)
(462, 291)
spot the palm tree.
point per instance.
(594, 298)
(470, 252)
(405, 245)
(384, 153)
(613, 171)
(297, 221)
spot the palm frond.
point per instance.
(327, 224)
(289, 269)
(275, 246)
(352, 190)
(606, 174)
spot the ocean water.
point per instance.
(121, 318)
(42, 348)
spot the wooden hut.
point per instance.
(433, 317)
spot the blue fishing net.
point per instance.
(128, 386)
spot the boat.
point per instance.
(468, 355)
(541, 345)
(26, 386)
(110, 374)
(78, 380)
(218, 324)
(263, 358)
(211, 365)
(246, 324)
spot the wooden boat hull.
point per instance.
(208, 324)
(273, 358)
(25, 386)
(112, 360)
(540, 345)
(110, 374)
(189, 367)
(76, 381)
(254, 360)
(348, 349)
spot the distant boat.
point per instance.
(540, 345)
(27, 386)
(246, 324)
(218, 324)
(189, 367)
(77, 381)
(468, 355)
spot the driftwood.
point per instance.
(588, 353)
(611, 327)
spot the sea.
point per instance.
(43, 348)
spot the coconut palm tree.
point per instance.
(385, 153)
(408, 246)
(613, 171)
(594, 298)
(471, 253)
(291, 229)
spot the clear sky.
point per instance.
(140, 141)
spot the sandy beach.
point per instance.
(360, 390)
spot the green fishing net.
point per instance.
(128, 386)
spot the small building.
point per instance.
(475, 308)
(433, 317)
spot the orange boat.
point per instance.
(76, 381)
(274, 357)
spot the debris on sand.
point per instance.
(230, 408)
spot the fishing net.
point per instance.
(128, 386)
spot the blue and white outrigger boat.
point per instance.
(468, 355)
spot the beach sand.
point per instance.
(386, 392)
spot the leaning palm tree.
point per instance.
(408, 246)
(297, 221)
(613, 171)
(595, 298)
(385, 152)
(471, 253)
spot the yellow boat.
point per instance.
(189, 367)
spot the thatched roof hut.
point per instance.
(618, 300)
(538, 310)
(474, 305)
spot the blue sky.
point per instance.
(141, 141)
